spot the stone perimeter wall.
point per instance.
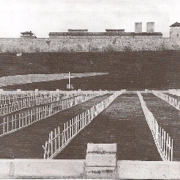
(88, 44)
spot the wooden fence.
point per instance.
(17, 121)
(10, 98)
(174, 92)
(172, 101)
(26, 103)
(58, 140)
(162, 139)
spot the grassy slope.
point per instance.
(136, 69)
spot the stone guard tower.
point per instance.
(175, 30)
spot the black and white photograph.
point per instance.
(90, 89)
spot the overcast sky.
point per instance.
(44, 16)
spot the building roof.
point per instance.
(175, 25)
(105, 34)
(115, 30)
(27, 33)
(77, 30)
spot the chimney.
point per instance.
(150, 27)
(138, 27)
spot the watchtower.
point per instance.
(175, 30)
(28, 34)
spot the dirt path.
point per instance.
(167, 117)
(123, 122)
(27, 142)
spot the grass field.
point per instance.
(123, 122)
(168, 118)
(131, 70)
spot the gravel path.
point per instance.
(27, 142)
(123, 122)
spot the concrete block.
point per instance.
(6, 170)
(148, 170)
(95, 160)
(48, 168)
(101, 172)
(101, 161)
(100, 148)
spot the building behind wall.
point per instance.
(110, 32)
(81, 40)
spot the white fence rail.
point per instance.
(162, 139)
(17, 121)
(58, 140)
(172, 101)
(28, 102)
(174, 92)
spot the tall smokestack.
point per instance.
(150, 27)
(138, 27)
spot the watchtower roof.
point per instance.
(27, 33)
(175, 25)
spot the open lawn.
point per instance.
(130, 70)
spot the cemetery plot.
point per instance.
(59, 139)
(123, 122)
(26, 117)
(27, 142)
(167, 117)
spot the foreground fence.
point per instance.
(28, 102)
(172, 101)
(17, 121)
(162, 139)
(58, 140)
(174, 92)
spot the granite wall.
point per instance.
(88, 44)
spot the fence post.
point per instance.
(12, 122)
(7, 123)
(49, 145)
(51, 142)
(64, 132)
(55, 139)
(15, 122)
(70, 129)
(45, 150)
(59, 137)
(172, 149)
(67, 130)
(168, 148)
(4, 125)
